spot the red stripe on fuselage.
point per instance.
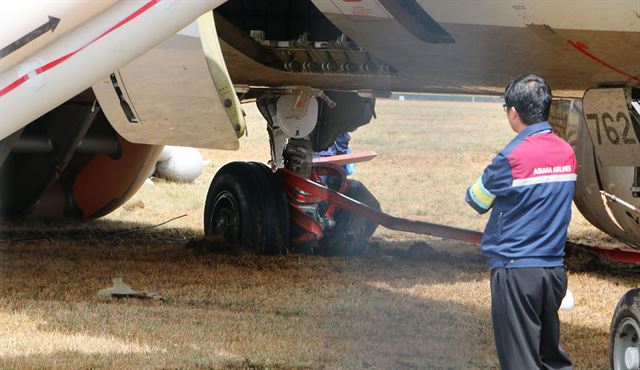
(60, 60)
(581, 47)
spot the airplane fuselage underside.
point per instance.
(475, 48)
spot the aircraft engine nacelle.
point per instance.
(89, 155)
(605, 155)
(71, 163)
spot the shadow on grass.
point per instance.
(377, 329)
(102, 230)
(393, 309)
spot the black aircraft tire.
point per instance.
(624, 332)
(277, 208)
(244, 205)
(351, 233)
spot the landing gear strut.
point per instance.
(311, 121)
(247, 204)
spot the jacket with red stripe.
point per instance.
(529, 186)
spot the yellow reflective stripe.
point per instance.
(483, 197)
(484, 190)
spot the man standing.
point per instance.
(529, 185)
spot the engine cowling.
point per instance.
(71, 163)
(568, 120)
(89, 155)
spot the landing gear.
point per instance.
(247, 207)
(624, 334)
(247, 204)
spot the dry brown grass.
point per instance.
(286, 311)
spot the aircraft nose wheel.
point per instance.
(248, 208)
(624, 334)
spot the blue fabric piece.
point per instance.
(340, 146)
(349, 168)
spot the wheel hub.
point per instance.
(626, 355)
(632, 358)
(226, 219)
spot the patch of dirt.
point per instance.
(134, 205)
(105, 235)
(217, 245)
(580, 258)
(421, 251)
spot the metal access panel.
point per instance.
(168, 97)
(610, 126)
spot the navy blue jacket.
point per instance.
(529, 185)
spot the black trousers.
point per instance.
(524, 311)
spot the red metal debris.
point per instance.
(342, 159)
(315, 192)
(291, 179)
(618, 255)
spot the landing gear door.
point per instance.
(611, 129)
(178, 93)
(219, 73)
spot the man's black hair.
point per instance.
(531, 96)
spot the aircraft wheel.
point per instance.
(624, 334)
(248, 208)
(350, 236)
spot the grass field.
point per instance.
(396, 309)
